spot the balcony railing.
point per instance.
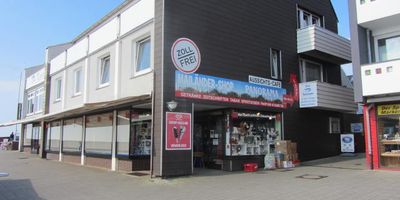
(326, 96)
(323, 44)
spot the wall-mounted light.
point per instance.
(172, 105)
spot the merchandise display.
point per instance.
(142, 138)
(389, 136)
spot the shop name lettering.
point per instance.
(204, 84)
(389, 109)
(186, 56)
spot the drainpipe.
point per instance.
(369, 136)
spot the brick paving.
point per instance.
(34, 178)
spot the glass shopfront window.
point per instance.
(389, 135)
(123, 133)
(252, 133)
(99, 134)
(140, 133)
(53, 134)
(72, 135)
(28, 135)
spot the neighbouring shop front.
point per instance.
(32, 136)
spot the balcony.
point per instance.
(323, 44)
(381, 78)
(376, 15)
(325, 96)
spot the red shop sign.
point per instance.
(178, 131)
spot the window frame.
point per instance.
(77, 89)
(303, 70)
(40, 100)
(300, 18)
(384, 37)
(30, 103)
(136, 52)
(333, 120)
(58, 89)
(101, 71)
(278, 74)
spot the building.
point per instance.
(155, 83)
(375, 34)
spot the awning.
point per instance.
(88, 107)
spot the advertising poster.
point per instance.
(347, 143)
(178, 131)
(308, 95)
(204, 87)
(356, 127)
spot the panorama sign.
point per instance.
(185, 55)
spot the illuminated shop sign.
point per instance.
(392, 109)
(203, 87)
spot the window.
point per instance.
(99, 134)
(311, 71)
(140, 132)
(306, 19)
(276, 62)
(53, 137)
(334, 125)
(388, 130)
(77, 81)
(123, 133)
(39, 100)
(72, 135)
(58, 89)
(28, 134)
(389, 48)
(105, 71)
(143, 55)
(362, 1)
(31, 104)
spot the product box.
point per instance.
(283, 146)
(293, 148)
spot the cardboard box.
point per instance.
(293, 148)
(283, 146)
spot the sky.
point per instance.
(29, 26)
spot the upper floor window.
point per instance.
(31, 97)
(78, 81)
(311, 71)
(104, 71)
(143, 49)
(306, 19)
(276, 64)
(389, 48)
(39, 100)
(58, 89)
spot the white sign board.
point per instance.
(308, 95)
(347, 143)
(356, 127)
(264, 81)
(185, 55)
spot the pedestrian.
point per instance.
(11, 138)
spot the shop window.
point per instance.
(35, 138)
(99, 134)
(311, 71)
(253, 133)
(389, 48)
(306, 19)
(77, 81)
(276, 64)
(334, 125)
(28, 135)
(143, 52)
(58, 89)
(123, 133)
(72, 135)
(53, 134)
(104, 71)
(140, 133)
(389, 135)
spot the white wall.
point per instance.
(136, 15)
(72, 100)
(77, 51)
(58, 63)
(372, 10)
(103, 36)
(35, 79)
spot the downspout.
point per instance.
(369, 136)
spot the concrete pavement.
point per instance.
(34, 178)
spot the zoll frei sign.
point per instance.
(185, 55)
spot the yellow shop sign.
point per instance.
(393, 109)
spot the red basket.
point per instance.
(250, 167)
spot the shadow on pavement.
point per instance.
(356, 162)
(18, 189)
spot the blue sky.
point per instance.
(28, 27)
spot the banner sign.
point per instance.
(178, 131)
(198, 86)
(347, 143)
(264, 81)
(308, 95)
(356, 127)
(392, 109)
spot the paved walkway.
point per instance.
(34, 178)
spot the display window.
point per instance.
(99, 134)
(72, 135)
(53, 134)
(252, 133)
(389, 135)
(123, 120)
(140, 133)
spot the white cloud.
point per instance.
(9, 86)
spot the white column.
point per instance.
(117, 70)
(60, 156)
(83, 140)
(114, 160)
(21, 138)
(86, 75)
(64, 82)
